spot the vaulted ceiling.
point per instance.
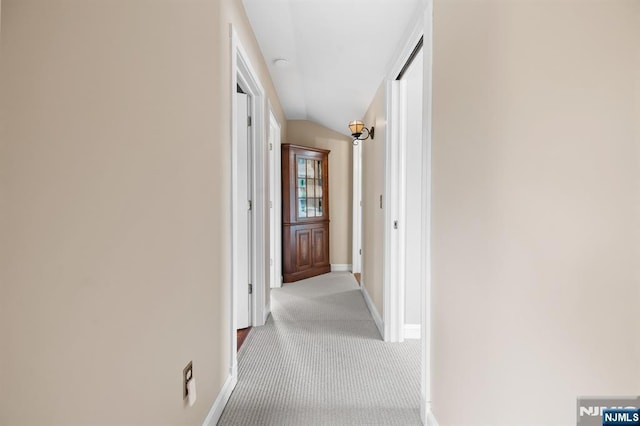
(337, 52)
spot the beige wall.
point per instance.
(536, 181)
(372, 188)
(308, 133)
(114, 227)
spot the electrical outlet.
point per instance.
(187, 374)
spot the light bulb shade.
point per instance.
(356, 127)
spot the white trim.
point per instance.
(394, 259)
(267, 312)
(234, 202)
(421, 27)
(221, 401)
(395, 192)
(340, 267)
(426, 343)
(412, 331)
(400, 207)
(250, 82)
(411, 38)
(372, 308)
(272, 195)
(242, 72)
(276, 210)
(401, 197)
(431, 420)
(356, 254)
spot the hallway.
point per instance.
(320, 360)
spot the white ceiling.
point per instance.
(338, 52)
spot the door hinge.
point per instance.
(249, 121)
(395, 224)
(250, 205)
(360, 252)
(270, 147)
(250, 288)
(270, 204)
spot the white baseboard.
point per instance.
(374, 312)
(277, 284)
(267, 311)
(426, 415)
(340, 267)
(221, 401)
(412, 331)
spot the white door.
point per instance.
(272, 207)
(243, 297)
(275, 190)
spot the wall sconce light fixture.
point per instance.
(357, 128)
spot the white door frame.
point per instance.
(426, 321)
(275, 191)
(394, 194)
(394, 184)
(244, 215)
(356, 256)
(243, 74)
(393, 293)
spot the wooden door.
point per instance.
(304, 249)
(320, 246)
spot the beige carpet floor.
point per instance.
(320, 360)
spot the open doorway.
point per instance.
(411, 184)
(244, 214)
(249, 213)
(244, 188)
(408, 188)
(403, 257)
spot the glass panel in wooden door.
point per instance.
(309, 192)
(311, 169)
(301, 195)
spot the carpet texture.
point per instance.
(320, 360)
